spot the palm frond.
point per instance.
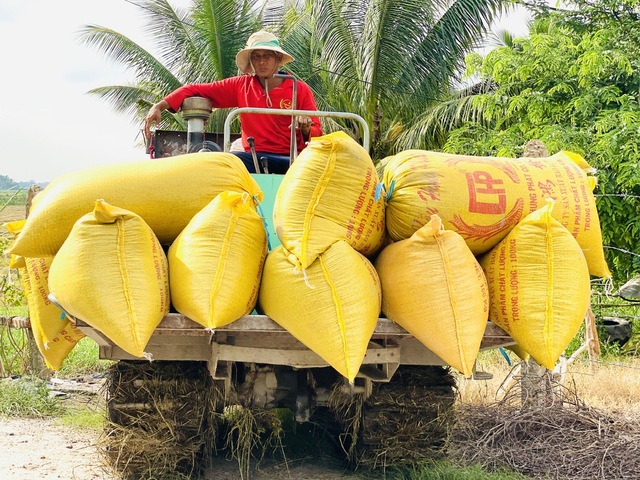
(221, 28)
(334, 29)
(121, 49)
(460, 28)
(172, 32)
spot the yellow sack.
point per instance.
(483, 198)
(15, 227)
(55, 335)
(538, 285)
(165, 192)
(434, 288)
(17, 262)
(332, 308)
(328, 194)
(519, 351)
(112, 273)
(216, 262)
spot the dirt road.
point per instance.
(41, 449)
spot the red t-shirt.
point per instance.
(272, 133)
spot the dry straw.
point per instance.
(561, 438)
(250, 435)
(161, 419)
(404, 421)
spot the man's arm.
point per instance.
(221, 93)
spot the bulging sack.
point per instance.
(165, 192)
(539, 289)
(329, 194)
(112, 273)
(483, 198)
(55, 335)
(332, 308)
(434, 288)
(216, 262)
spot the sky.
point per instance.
(49, 125)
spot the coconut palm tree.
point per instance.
(387, 60)
(195, 45)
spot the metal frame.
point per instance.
(294, 113)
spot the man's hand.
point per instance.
(154, 117)
(304, 125)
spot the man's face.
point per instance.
(264, 62)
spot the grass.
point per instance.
(445, 470)
(27, 397)
(610, 384)
(82, 360)
(85, 417)
(30, 397)
(14, 351)
(14, 197)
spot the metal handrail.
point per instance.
(293, 144)
(306, 113)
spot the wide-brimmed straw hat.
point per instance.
(260, 40)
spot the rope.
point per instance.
(381, 187)
(296, 271)
(505, 355)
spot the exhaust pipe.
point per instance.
(196, 111)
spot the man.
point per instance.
(262, 56)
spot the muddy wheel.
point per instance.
(403, 421)
(160, 419)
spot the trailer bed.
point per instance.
(259, 339)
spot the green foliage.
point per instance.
(83, 360)
(14, 350)
(573, 84)
(607, 304)
(385, 60)
(196, 45)
(11, 296)
(27, 397)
